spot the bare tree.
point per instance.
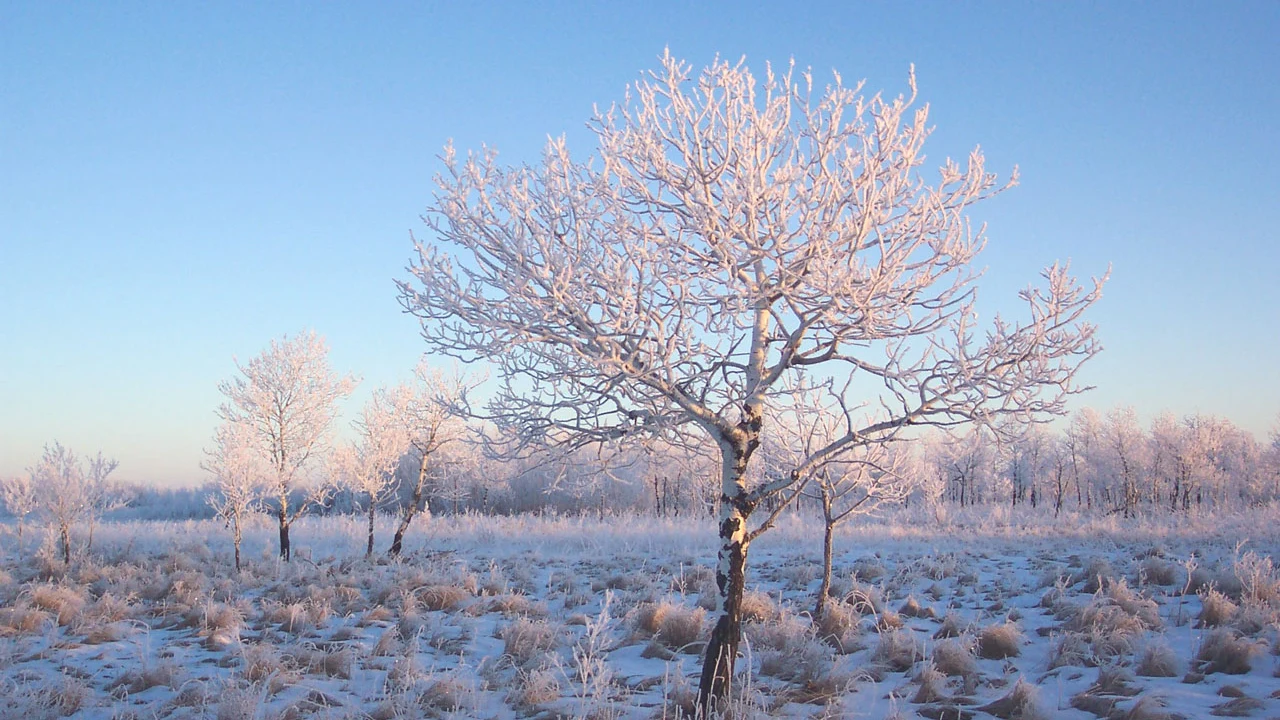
(288, 398)
(101, 494)
(733, 234)
(239, 473)
(431, 423)
(18, 494)
(368, 465)
(854, 481)
(65, 492)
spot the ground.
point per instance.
(986, 616)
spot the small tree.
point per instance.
(65, 493)
(368, 465)
(431, 424)
(855, 481)
(238, 472)
(733, 235)
(101, 494)
(288, 398)
(19, 497)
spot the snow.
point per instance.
(503, 617)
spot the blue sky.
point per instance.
(182, 182)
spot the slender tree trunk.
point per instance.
(283, 517)
(406, 517)
(714, 688)
(235, 539)
(284, 537)
(368, 552)
(827, 533)
(65, 531)
(736, 447)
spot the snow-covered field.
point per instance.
(553, 617)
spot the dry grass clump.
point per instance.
(388, 644)
(758, 607)
(694, 580)
(1158, 660)
(1216, 609)
(1071, 648)
(784, 634)
(62, 602)
(165, 674)
(1158, 571)
(679, 626)
(1106, 629)
(913, 609)
(260, 662)
(933, 686)
(109, 609)
(512, 605)
(799, 659)
(1097, 575)
(867, 570)
(952, 626)
(955, 658)
(1021, 703)
(526, 640)
(241, 703)
(220, 625)
(866, 599)
(647, 616)
(837, 626)
(22, 620)
(442, 597)
(1237, 707)
(333, 662)
(108, 633)
(533, 689)
(1223, 651)
(997, 642)
(897, 651)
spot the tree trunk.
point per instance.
(368, 552)
(284, 537)
(825, 588)
(736, 447)
(235, 539)
(409, 510)
(714, 689)
(283, 517)
(65, 533)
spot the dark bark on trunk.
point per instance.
(410, 510)
(235, 540)
(722, 648)
(825, 588)
(65, 533)
(368, 552)
(284, 537)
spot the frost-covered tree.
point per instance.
(431, 423)
(102, 495)
(240, 473)
(18, 494)
(732, 235)
(288, 398)
(67, 493)
(367, 466)
(855, 481)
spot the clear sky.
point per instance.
(181, 182)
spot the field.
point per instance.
(556, 617)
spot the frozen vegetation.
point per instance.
(972, 613)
